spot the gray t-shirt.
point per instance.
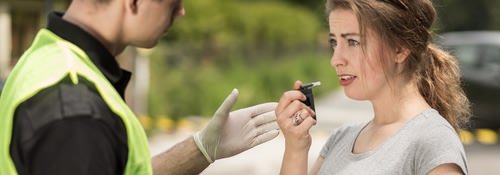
(422, 144)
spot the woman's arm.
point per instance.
(316, 166)
(446, 169)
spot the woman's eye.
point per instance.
(352, 42)
(333, 43)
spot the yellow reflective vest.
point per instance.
(49, 60)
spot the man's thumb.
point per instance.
(228, 103)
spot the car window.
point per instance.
(492, 54)
(467, 55)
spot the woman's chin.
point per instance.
(354, 96)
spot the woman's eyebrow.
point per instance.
(343, 35)
(349, 34)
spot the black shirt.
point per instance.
(67, 128)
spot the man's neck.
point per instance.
(101, 21)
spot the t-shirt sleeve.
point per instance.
(68, 130)
(441, 146)
(74, 146)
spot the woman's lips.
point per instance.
(345, 80)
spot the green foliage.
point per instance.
(258, 47)
(316, 6)
(213, 28)
(193, 89)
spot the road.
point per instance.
(332, 111)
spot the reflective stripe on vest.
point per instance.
(49, 60)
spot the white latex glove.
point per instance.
(228, 134)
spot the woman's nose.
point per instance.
(338, 58)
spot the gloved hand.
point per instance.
(228, 134)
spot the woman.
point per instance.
(382, 52)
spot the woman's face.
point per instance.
(359, 72)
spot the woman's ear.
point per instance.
(402, 54)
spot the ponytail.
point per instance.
(439, 82)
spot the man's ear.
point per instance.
(133, 5)
(402, 54)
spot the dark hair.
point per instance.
(407, 24)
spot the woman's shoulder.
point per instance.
(432, 131)
(436, 143)
(432, 124)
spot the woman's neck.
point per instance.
(398, 104)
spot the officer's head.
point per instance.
(138, 23)
(149, 20)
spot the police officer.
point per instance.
(62, 109)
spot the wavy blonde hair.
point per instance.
(407, 24)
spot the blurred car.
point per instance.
(478, 53)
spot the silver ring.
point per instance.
(297, 118)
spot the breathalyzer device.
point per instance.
(306, 89)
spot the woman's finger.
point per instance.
(287, 98)
(297, 84)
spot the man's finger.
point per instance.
(265, 137)
(228, 103)
(265, 118)
(267, 127)
(262, 108)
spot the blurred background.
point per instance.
(261, 47)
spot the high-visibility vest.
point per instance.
(49, 60)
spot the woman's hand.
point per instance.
(294, 119)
